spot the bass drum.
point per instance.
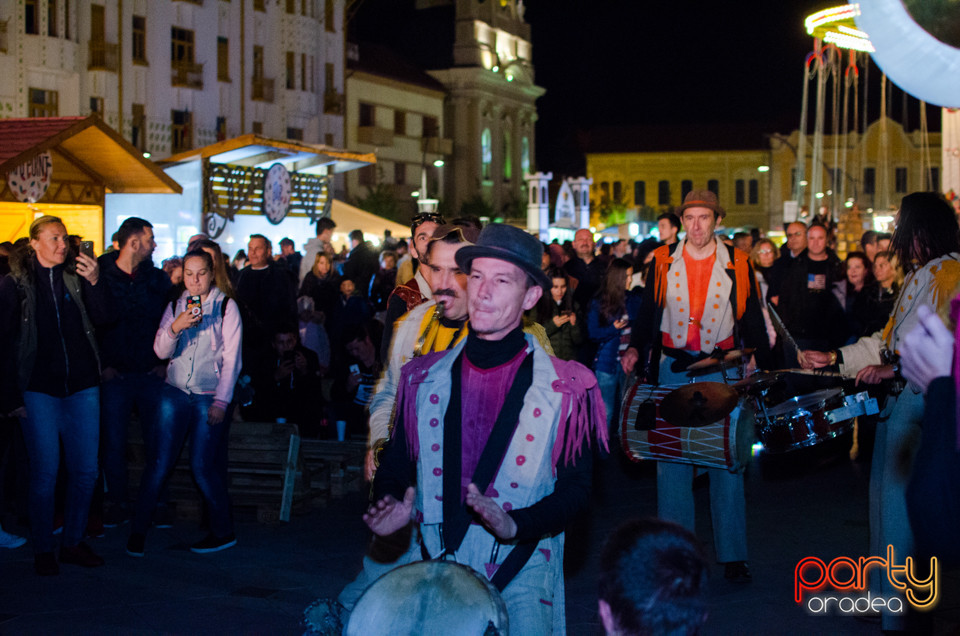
(429, 598)
(646, 435)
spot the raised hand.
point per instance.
(389, 515)
(494, 518)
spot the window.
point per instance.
(52, 30)
(366, 114)
(303, 71)
(640, 193)
(663, 193)
(486, 154)
(223, 59)
(753, 192)
(96, 105)
(296, 134)
(138, 128)
(367, 175)
(31, 21)
(604, 192)
(328, 78)
(869, 180)
(714, 186)
(291, 72)
(221, 128)
(934, 176)
(305, 7)
(328, 139)
(292, 7)
(257, 63)
(617, 191)
(313, 74)
(139, 39)
(258, 128)
(685, 186)
(525, 155)
(328, 16)
(399, 122)
(260, 5)
(43, 103)
(181, 130)
(400, 173)
(430, 127)
(507, 156)
(181, 47)
(740, 189)
(900, 179)
(98, 21)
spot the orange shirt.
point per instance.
(698, 279)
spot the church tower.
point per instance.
(491, 108)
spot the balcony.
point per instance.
(262, 89)
(103, 56)
(187, 74)
(333, 103)
(438, 146)
(3, 35)
(375, 136)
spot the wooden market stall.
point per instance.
(66, 166)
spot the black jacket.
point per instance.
(126, 342)
(360, 267)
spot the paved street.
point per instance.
(810, 505)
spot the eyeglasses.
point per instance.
(765, 252)
(795, 233)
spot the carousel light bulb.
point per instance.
(763, 168)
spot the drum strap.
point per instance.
(456, 518)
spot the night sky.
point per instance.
(640, 62)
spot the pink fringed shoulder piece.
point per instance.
(411, 375)
(582, 413)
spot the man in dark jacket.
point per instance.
(132, 373)
(361, 264)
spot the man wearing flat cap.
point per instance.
(493, 440)
(700, 298)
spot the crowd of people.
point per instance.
(521, 350)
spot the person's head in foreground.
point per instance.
(652, 580)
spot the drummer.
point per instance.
(926, 244)
(700, 296)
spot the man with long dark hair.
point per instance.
(926, 243)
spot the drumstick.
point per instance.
(820, 372)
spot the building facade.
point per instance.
(172, 75)
(490, 110)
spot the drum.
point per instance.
(811, 418)
(646, 435)
(429, 597)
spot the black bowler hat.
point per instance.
(507, 243)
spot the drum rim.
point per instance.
(793, 404)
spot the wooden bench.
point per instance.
(264, 470)
(333, 468)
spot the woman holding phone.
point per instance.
(50, 378)
(200, 333)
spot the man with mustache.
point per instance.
(501, 437)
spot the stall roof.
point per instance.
(256, 151)
(93, 146)
(349, 218)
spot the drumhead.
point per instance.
(806, 402)
(429, 597)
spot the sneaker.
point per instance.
(214, 544)
(80, 554)
(45, 564)
(95, 527)
(737, 571)
(163, 517)
(135, 544)
(8, 540)
(115, 515)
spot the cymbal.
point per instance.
(698, 404)
(758, 379)
(729, 357)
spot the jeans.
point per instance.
(75, 421)
(181, 415)
(117, 399)
(611, 384)
(727, 504)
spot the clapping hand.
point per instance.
(492, 515)
(389, 515)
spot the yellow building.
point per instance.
(650, 170)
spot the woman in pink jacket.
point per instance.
(204, 351)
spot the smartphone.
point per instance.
(86, 247)
(194, 306)
(288, 356)
(355, 369)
